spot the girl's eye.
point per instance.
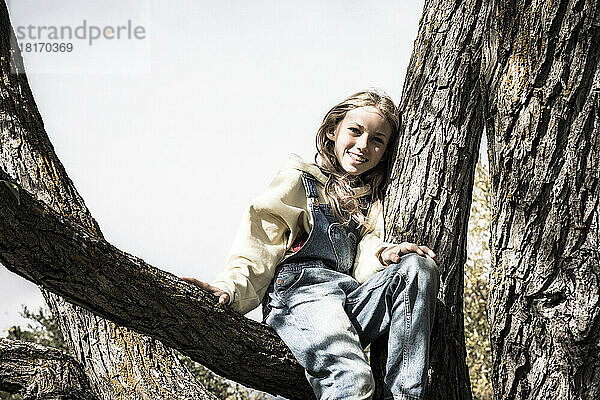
(379, 140)
(355, 130)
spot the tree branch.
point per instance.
(39, 372)
(50, 250)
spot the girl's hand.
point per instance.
(223, 296)
(392, 254)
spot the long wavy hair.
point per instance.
(338, 189)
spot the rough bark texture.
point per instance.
(119, 363)
(434, 166)
(543, 124)
(27, 156)
(41, 373)
(110, 350)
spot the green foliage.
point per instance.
(42, 329)
(477, 270)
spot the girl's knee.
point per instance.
(420, 268)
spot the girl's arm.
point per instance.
(374, 254)
(268, 227)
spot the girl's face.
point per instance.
(360, 139)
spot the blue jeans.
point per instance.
(326, 318)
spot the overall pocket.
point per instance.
(287, 278)
(344, 246)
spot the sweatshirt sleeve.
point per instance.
(268, 227)
(366, 263)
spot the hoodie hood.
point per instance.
(296, 162)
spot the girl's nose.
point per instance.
(361, 142)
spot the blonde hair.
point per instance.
(338, 189)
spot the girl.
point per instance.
(311, 249)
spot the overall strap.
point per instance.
(310, 186)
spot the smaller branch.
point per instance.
(39, 372)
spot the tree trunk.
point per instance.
(139, 367)
(543, 124)
(41, 373)
(432, 176)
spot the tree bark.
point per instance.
(138, 366)
(41, 373)
(432, 176)
(543, 123)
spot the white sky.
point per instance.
(167, 138)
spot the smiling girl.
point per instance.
(311, 249)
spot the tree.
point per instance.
(44, 331)
(29, 158)
(40, 370)
(431, 182)
(542, 107)
(528, 72)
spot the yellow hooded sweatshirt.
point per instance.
(270, 225)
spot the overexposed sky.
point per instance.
(168, 137)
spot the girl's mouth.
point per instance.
(357, 157)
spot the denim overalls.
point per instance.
(326, 317)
